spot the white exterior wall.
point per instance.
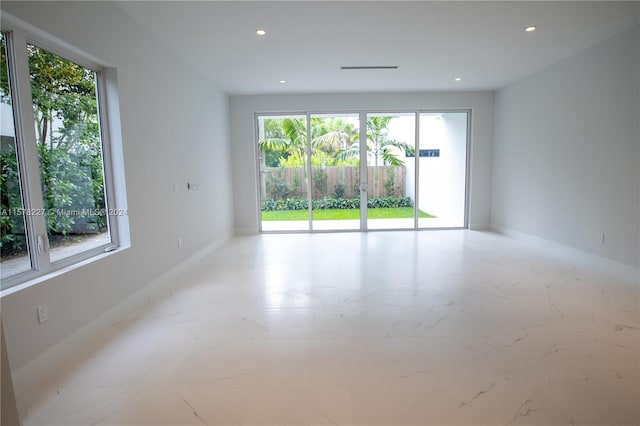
(442, 179)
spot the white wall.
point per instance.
(442, 179)
(565, 165)
(174, 130)
(242, 109)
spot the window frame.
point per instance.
(363, 113)
(18, 35)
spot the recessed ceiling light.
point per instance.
(530, 28)
(283, 81)
(261, 32)
(457, 79)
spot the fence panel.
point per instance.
(333, 181)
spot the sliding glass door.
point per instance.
(283, 172)
(442, 167)
(362, 171)
(390, 170)
(335, 174)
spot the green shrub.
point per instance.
(295, 186)
(390, 182)
(284, 204)
(319, 182)
(389, 202)
(277, 185)
(335, 203)
(11, 226)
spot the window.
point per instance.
(57, 201)
(13, 229)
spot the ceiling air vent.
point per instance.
(371, 67)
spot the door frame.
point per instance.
(362, 114)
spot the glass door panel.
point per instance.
(14, 243)
(335, 176)
(391, 171)
(442, 158)
(283, 173)
(310, 171)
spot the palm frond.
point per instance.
(330, 141)
(402, 146)
(377, 124)
(348, 153)
(390, 158)
(273, 144)
(295, 129)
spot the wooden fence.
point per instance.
(339, 182)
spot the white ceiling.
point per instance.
(484, 43)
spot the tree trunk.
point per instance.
(51, 133)
(42, 129)
(375, 170)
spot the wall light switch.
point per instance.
(43, 313)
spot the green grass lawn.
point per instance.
(342, 214)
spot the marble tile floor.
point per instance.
(380, 328)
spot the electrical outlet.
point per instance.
(602, 237)
(43, 313)
(179, 242)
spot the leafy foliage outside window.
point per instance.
(296, 186)
(277, 185)
(319, 182)
(390, 182)
(68, 137)
(12, 229)
(13, 238)
(334, 203)
(65, 112)
(339, 190)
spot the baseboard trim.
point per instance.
(617, 269)
(479, 226)
(28, 374)
(245, 231)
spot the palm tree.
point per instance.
(328, 135)
(379, 145)
(289, 135)
(332, 135)
(292, 140)
(286, 135)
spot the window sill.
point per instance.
(53, 274)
